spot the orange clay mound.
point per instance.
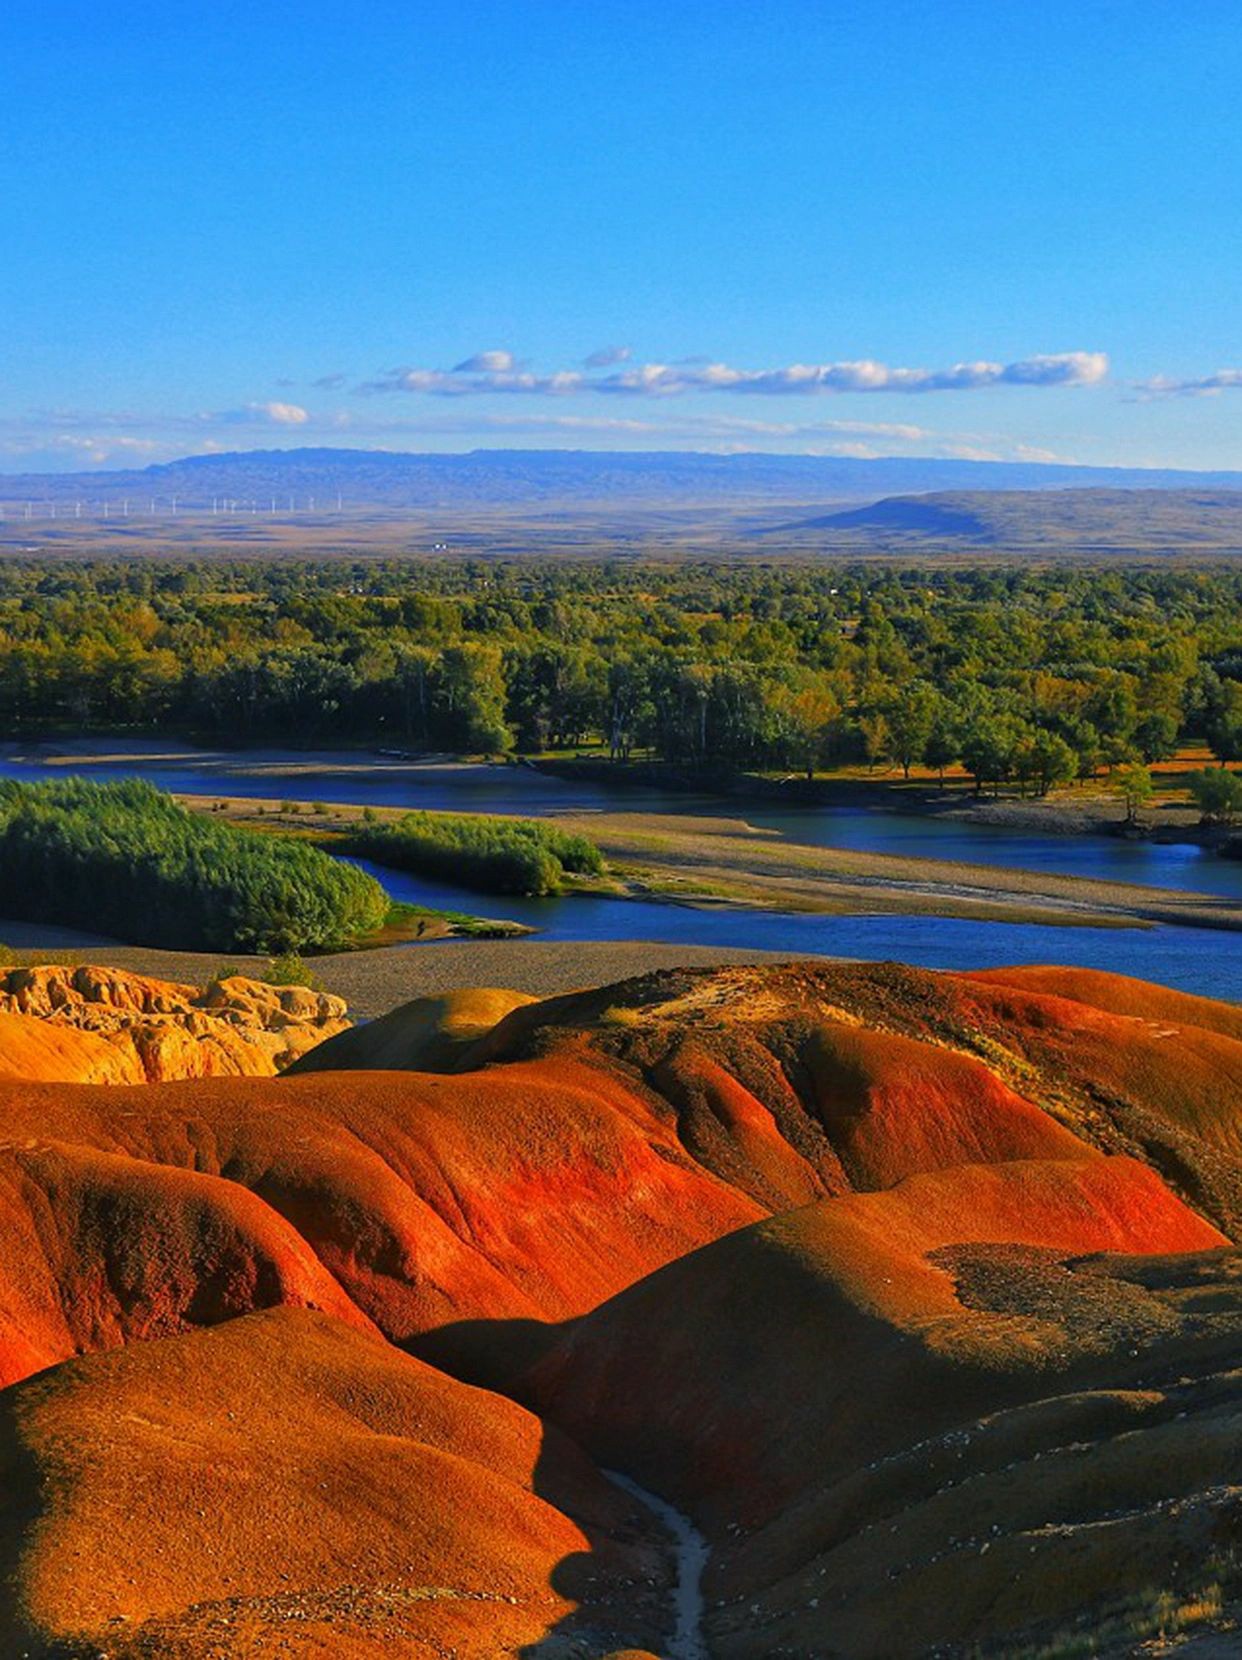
(1154, 1086)
(283, 1484)
(805, 1080)
(51, 1052)
(582, 1143)
(867, 1387)
(907, 1287)
(523, 1192)
(100, 1249)
(427, 1035)
(1119, 994)
(826, 1295)
(102, 1025)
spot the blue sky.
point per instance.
(878, 227)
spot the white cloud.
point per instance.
(494, 373)
(1205, 386)
(283, 414)
(129, 437)
(261, 414)
(96, 448)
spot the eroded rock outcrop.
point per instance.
(102, 1025)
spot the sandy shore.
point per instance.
(731, 861)
(372, 982)
(74, 754)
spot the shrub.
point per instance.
(1217, 793)
(493, 855)
(126, 859)
(290, 970)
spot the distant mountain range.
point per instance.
(545, 479)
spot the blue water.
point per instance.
(1200, 960)
(510, 789)
(1206, 961)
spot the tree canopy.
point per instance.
(796, 666)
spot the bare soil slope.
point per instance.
(915, 1292)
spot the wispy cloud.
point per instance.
(97, 448)
(716, 433)
(488, 373)
(703, 427)
(487, 363)
(1204, 386)
(606, 356)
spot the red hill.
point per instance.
(913, 1290)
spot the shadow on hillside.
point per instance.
(624, 1584)
(21, 1504)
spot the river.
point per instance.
(1205, 961)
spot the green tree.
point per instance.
(940, 750)
(988, 747)
(1156, 735)
(1044, 760)
(911, 716)
(1134, 785)
(1112, 706)
(876, 736)
(469, 700)
(1222, 723)
(1217, 794)
(807, 713)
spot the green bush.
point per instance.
(1217, 794)
(290, 970)
(492, 855)
(126, 859)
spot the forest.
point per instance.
(1032, 675)
(127, 860)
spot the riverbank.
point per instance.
(696, 860)
(1085, 809)
(1088, 808)
(728, 860)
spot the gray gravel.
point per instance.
(372, 982)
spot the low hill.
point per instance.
(286, 1485)
(934, 1420)
(1077, 520)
